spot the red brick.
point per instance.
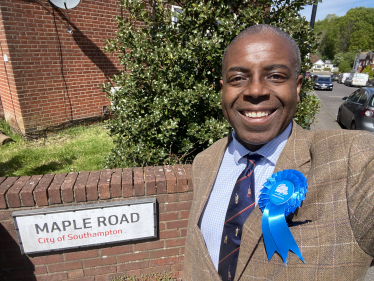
(91, 186)
(188, 170)
(178, 206)
(163, 261)
(183, 232)
(138, 181)
(7, 225)
(115, 183)
(52, 277)
(26, 192)
(169, 234)
(176, 224)
(160, 180)
(5, 215)
(4, 186)
(13, 193)
(76, 274)
(116, 250)
(54, 190)
(99, 261)
(132, 266)
(177, 267)
(175, 242)
(80, 187)
(64, 266)
(148, 246)
(181, 178)
(150, 180)
(184, 214)
(127, 183)
(2, 179)
(46, 259)
(67, 193)
(164, 253)
(171, 180)
(100, 270)
(81, 255)
(104, 184)
(168, 216)
(132, 257)
(40, 191)
(159, 269)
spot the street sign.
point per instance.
(53, 229)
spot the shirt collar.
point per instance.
(270, 151)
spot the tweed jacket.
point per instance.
(334, 228)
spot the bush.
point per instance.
(368, 70)
(168, 105)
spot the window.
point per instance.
(175, 11)
(353, 97)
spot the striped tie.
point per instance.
(242, 202)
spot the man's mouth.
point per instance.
(257, 114)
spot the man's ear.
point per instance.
(221, 83)
(299, 83)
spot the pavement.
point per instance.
(325, 120)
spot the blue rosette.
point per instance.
(281, 195)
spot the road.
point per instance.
(331, 100)
(326, 119)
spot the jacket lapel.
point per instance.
(295, 155)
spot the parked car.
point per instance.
(357, 79)
(342, 77)
(357, 112)
(323, 83)
(335, 78)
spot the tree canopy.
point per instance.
(167, 107)
(346, 35)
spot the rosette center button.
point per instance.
(281, 192)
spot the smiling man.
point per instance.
(334, 228)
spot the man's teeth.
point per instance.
(257, 114)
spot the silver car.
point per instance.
(357, 112)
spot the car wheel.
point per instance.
(353, 126)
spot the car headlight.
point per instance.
(317, 84)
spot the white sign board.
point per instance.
(60, 228)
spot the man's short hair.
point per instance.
(265, 28)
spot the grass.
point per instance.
(81, 148)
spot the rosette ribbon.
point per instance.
(280, 196)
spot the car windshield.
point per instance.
(324, 79)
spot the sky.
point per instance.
(338, 7)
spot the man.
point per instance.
(334, 228)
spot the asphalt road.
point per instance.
(331, 100)
(326, 119)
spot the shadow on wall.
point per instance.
(91, 50)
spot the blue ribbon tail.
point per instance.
(281, 234)
(270, 245)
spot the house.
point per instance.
(364, 59)
(54, 62)
(329, 64)
(318, 64)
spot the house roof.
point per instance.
(314, 58)
(362, 55)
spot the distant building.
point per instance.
(318, 64)
(363, 60)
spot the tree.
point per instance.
(168, 105)
(368, 70)
(344, 66)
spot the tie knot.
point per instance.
(253, 157)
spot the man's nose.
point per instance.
(255, 88)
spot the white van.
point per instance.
(342, 77)
(357, 79)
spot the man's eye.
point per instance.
(236, 79)
(275, 76)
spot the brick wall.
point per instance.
(170, 185)
(53, 77)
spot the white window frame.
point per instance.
(174, 9)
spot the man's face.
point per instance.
(260, 89)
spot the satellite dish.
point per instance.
(65, 4)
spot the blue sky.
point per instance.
(338, 7)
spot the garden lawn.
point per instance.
(81, 148)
